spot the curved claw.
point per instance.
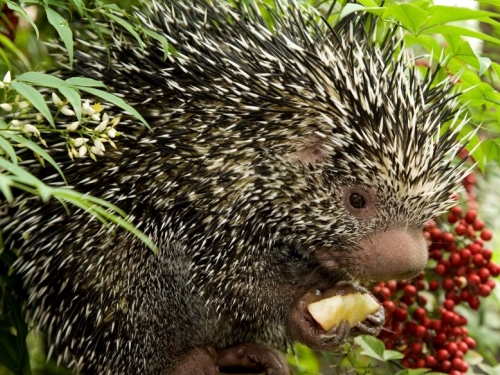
(337, 335)
(373, 322)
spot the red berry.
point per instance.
(460, 230)
(452, 219)
(410, 290)
(478, 224)
(462, 346)
(446, 366)
(449, 304)
(448, 238)
(448, 284)
(457, 211)
(433, 285)
(400, 314)
(487, 253)
(452, 348)
(494, 269)
(478, 260)
(430, 361)
(389, 306)
(465, 254)
(440, 339)
(419, 313)
(484, 274)
(455, 259)
(471, 343)
(420, 331)
(474, 302)
(416, 347)
(486, 234)
(484, 290)
(470, 216)
(442, 355)
(440, 269)
(474, 279)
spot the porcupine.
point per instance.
(283, 163)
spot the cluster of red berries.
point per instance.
(460, 272)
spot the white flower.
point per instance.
(6, 107)
(85, 107)
(23, 104)
(31, 129)
(101, 127)
(96, 151)
(66, 111)
(1, 85)
(99, 145)
(7, 78)
(115, 121)
(112, 133)
(56, 100)
(82, 151)
(96, 116)
(14, 124)
(39, 118)
(73, 126)
(79, 141)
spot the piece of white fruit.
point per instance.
(352, 308)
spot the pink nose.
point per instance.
(398, 253)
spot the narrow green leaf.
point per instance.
(5, 59)
(116, 101)
(15, 7)
(35, 98)
(74, 98)
(7, 147)
(41, 79)
(17, 171)
(7, 44)
(411, 17)
(36, 148)
(63, 29)
(162, 40)
(127, 26)
(5, 184)
(83, 81)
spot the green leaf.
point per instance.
(6, 43)
(116, 101)
(411, 17)
(372, 347)
(63, 29)
(392, 354)
(491, 149)
(5, 184)
(74, 98)
(127, 26)
(35, 98)
(41, 79)
(462, 31)
(484, 64)
(15, 7)
(9, 150)
(428, 42)
(79, 82)
(161, 39)
(462, 50)
(440, 14)
(35, 148)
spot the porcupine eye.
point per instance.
(359, 202)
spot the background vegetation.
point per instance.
(436, 36)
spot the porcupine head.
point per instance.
(282, 163)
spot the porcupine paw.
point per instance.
(199, 361)
(303, 327)
(251, 357)
(373, 322)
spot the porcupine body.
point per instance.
(269, 148)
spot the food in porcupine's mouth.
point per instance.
(352, 308)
